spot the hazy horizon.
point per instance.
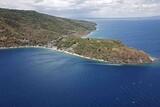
(123, 18)
(88, 8)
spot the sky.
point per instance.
(88, 8)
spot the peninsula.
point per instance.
(25, 28)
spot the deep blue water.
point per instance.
(45, 78)
(141, 34)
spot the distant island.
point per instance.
(20, 28)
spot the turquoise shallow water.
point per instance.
(44, 78)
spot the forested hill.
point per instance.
(30, 28)
(31, 25)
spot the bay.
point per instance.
(44, 78)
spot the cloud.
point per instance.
(88, 8)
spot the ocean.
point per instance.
(45, 78)
(140, 34)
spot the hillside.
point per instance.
(19, 26)
(30, 28)
(111, 51)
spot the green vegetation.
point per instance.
(108, 50)
(38, 28)
(30, 28)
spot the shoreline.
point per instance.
(74, 54)
(58, 50)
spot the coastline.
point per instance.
(85, 35)
(58, 50)
(74, 54)
(54, 48)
